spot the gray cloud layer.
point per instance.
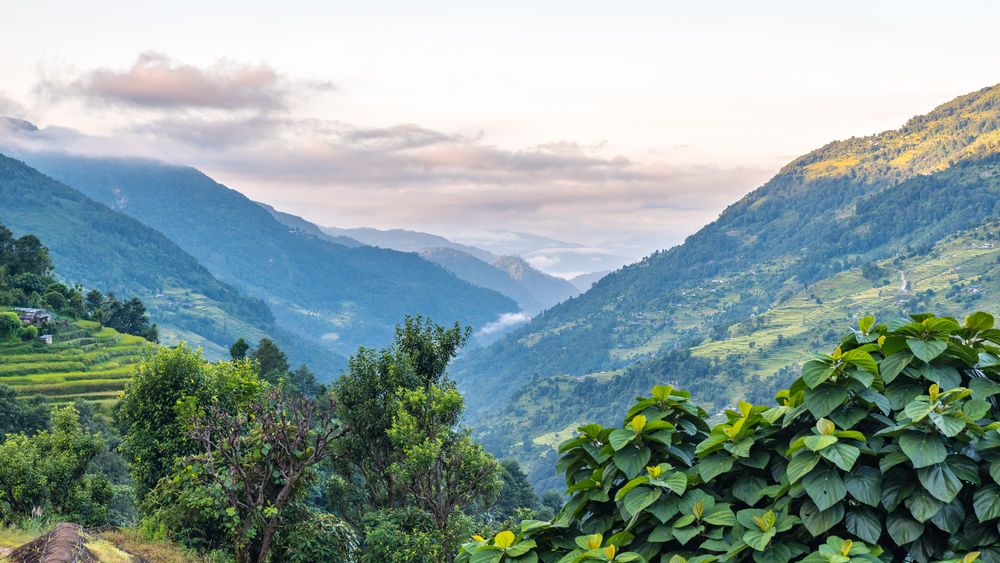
(222, 118)
(156, 81)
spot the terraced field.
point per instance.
(85, 361)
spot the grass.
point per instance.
(111, 546)
(85, 361)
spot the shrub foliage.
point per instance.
(886, 449)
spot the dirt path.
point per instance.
(64, 544)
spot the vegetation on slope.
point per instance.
(100, 248)
(84, 361)
(885, 449)
(797, 229)
(323, 292)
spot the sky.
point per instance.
(624, 126)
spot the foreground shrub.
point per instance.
(886, 449)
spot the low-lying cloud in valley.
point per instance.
(243, 124)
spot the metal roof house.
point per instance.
(33, 316)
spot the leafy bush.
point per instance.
(886, 449)
(317, 536)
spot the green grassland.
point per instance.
(85, 361)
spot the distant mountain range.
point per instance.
(328, 292)
(555, 257)
(406, 241)
(107, 250)
(731, 313)
(508, 274)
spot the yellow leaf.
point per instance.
(970, 557)
(594, 541)
(609, 552)
(845, 548)
(504, 539)
(638, 423)
(654, 471)
(478, 538)
(837, 353)
(881, 341)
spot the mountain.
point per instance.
(547, 289)
(552, 256)
(702, 314)
(406, 241)
(103, 249)
(583, 282)
(302, 226)
(323, 293)
(483, 274)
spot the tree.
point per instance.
(885, 449)
(367, 401)
(439, 468)
(259, 458)
(9, 324)
(49, 471)
(272, 361)
(239, 349)
(154, 435)
(516, 491)
(21, 416)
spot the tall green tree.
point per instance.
(367, 401)
(239, 349)
(420, 470)
(272, 360)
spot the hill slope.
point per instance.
(836, 208)
(322, 292)
(406, 241)
(84, 361)
(103, 249)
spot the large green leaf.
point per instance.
(824, 399)
(922, 505)
(714, 465)
(865, 485)
(864, 523)
(843, 455)
(926, 350)
(825, 487)
(893, 364)
(940, 481)
(620, 437)
(632, 460)
(749, 489)
(949, 425)
(922, 449)
(800, 465)
(815, 372)
(986, 503)
(902, 528)
(819, 521)
(950, 517)
(979, 321)
(639, 498)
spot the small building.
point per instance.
(46, 338)
(31, 316)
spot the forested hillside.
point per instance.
(816, 242)
(106, 250)
(324, 293)
(845, 204)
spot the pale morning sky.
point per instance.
(586, 121)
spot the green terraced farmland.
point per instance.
(84, 361)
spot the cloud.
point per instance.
(505, 321)
(155, 81)
(243, 125)
(9, 107)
